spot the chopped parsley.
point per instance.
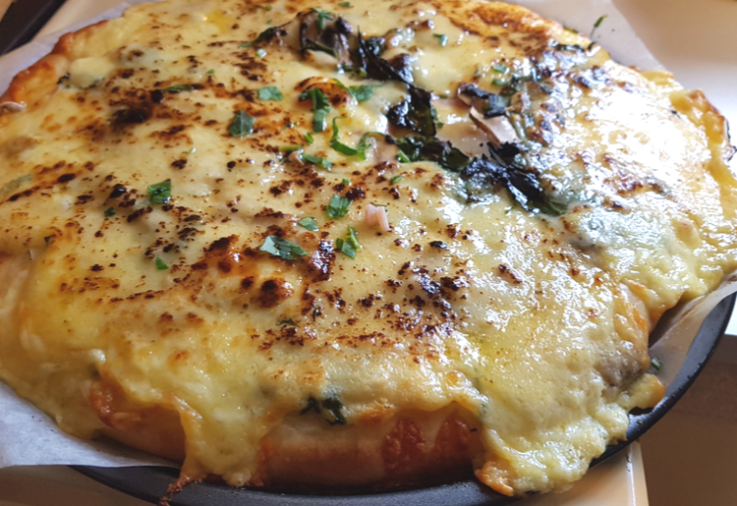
(160, 193)
(270, 93)
(178, 88)
(363, 92)
(443, 39)
(338, 206)
(656, 364)
(242, 124)
(320, 106)
(309, 223)
(346, 182)
(309, 138)
(598, 24)
(261, 52)
(210, 72)
(348, 246)
(317, 160)
(359, 150)
(322, 17)
(269, 32)
(282, 248)
(345, 5)
(396, 179)
(109, 212)
(161, 265)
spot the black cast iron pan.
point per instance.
(150, 483)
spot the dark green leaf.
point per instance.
(178, 88)
(317, 160)
(270, 93)
(416, 114)
(161, 265)
(242, 124)
(281, 248)
(348, 246)
(160, 193)
(309, 223)
(431, 149)
(335, 408)
(338, 207)
(443, 39)
(109, 212)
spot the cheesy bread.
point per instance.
(351, 245)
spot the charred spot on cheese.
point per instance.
(187, 202)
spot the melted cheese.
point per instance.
(535, 324)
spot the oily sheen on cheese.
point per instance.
(242, 235)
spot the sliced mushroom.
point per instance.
(499, 128)
(11, 107)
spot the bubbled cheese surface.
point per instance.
(534, 323)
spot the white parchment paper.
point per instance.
(28, 437)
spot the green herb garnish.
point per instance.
(443, 39)
(210, 72)
(309, 223)
(266, 7)
(109, 212)
(242, 124)
(656, 364)
(160, 193)
(161, 265)
(281, 248)
(500, 67)
(345, 5)
(338, 207)
(348, 246)
(322, 17)
(499, 82)
(359, 150)
(320, 106)
(598, 24)
(362, 92)
(396, 179)
(346, 182)
(270, 93)
(317, 160)
(261, 37)
(178, 88)
(309, 138)
(261, 52)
